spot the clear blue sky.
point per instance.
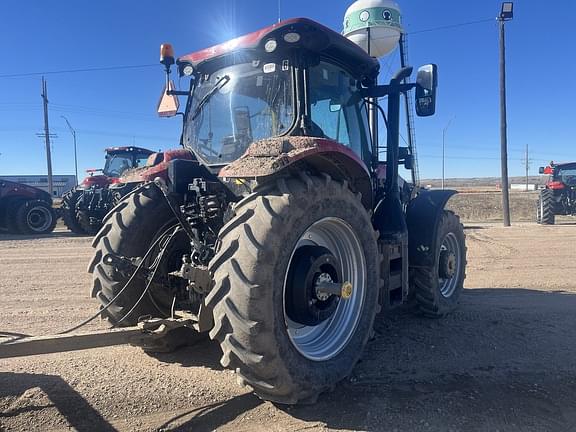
(118, 108)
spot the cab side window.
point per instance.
(335, 109)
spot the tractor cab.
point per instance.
(120, 159)
(295, 78)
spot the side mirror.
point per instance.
(409, 162)
(406, 158)
(541, 170)
(169, 103)
(426, 84)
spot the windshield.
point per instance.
(116, 164)
(567, 175)
(237, 105)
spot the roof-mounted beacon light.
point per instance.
(167, 59)
(166, 55)
(374, 25)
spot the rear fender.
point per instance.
(268, 158)
(423, 216)
(21, 191)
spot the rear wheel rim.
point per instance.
(448, 285)
(39, 219)
(327, 339)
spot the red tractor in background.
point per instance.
(84, 207)
(559, 195)
(25, 209)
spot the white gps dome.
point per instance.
(374, 25)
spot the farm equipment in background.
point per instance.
(285, 233)
(84, 207)
(559, 195)
(25, 209)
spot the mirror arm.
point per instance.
(177, 93)
(385, 90)
(401, 75)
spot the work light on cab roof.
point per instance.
(374, 25)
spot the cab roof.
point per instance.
(314, 37)
(128, 149)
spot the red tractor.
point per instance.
(559, 196)
(84, 206)
(25, 209)
(285, 233)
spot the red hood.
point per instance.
(157, 166)
(97, 180)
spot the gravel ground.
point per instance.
(506, 361)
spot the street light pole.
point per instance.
(73, 132)
(444, 149)
(506, 14)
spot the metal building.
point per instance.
(60, 183)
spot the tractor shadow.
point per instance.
(210, 417)
(30, 395)
(503, 361)
(506, 357)
(198, 350)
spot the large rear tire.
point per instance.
(438, 287)
(130, 230)
(545, 210)
(69, 212)
(35, 217)
(284, 343)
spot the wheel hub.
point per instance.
(38, 219)
(447, 264)
(310, 294)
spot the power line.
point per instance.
(65, 71)
(451, 26)
(113, 68)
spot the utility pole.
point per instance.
(73, 132)
(526, 162)
(444, 148)
(47, 136)
(506, 14)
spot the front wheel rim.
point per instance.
(39, 219)
(327, 339)
(448, 285)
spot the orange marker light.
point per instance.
(166, 54)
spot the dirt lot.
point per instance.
(505, 361)
(487, 206)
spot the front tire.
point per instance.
(129, 231)
(545, 209)
(286, 351)
(35, 217)
(438, 287)
(69, 212)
